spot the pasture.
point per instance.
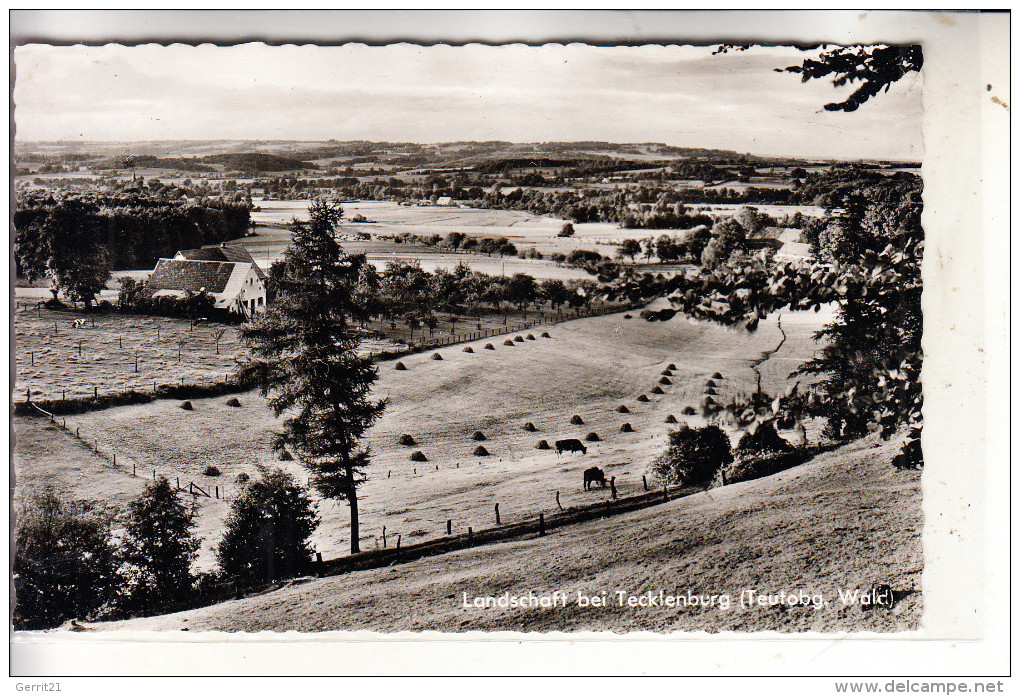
(587, 367)
(114, 353)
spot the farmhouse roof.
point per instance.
(222, 252)
(193, 276)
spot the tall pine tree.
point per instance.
(306, 359)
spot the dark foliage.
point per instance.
(694, 455)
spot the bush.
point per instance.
(469, 349)
(576, 420)
(752, 465)
(592, 437)
(694, 455)
(566, 231)
(64, 562)
(266, 534)
(530, 427)
(158, 549)
(286, 456)
(211, 470)
(187, 406)
(437, 356)
(406, 440)
(542, 444)
(489, 346)
(626, 428)
(400, 366)
(481, 451)
(622, 409)
(643, 399)
(418, 456)
(478, 436)
(233, 402)
(764, 438)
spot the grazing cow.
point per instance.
(592, 476)
(571, 445)
(78, 323)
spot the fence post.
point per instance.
(644, 482)
(115, 459)
(133, 467)
(665, 493)
(95, 391)
(398, 541)
(384, 536)
(178, 483)
(612, 487)
(541, 524)
(216, 489)
(497, 514)
(471, 534)
(153, 474)
(449, 527)
(558, 500)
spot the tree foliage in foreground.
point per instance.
(267, 531)
(306, 359)
(157, 550)
(64, 563)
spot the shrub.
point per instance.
(592, 437)
(566, 231)
(286, 456)
(481, 451)
(531, 337)
(469, 349)
(545, 334)
(752, 465)
(233, 402)
(400, 366)
(478, 436)
(625, 428)
(243, 478)
(406, 440)
(508, 342)
(437, 356)
(688, 411)
(542, 444)
(489, 346)
(672, 419)
(186, 405)
(665, 380)
(643, 398)
(622, 409)
(211, 470)
(266, 534)
(576, 420)
(64, 563)
(418, 456)
(764, 438)
(158, 549)
(694, 455)
(530, 427)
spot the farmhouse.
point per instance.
(221, 252)
(238, 286)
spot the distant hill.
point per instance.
(185, 164)
(258, 162)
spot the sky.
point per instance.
(678, 95)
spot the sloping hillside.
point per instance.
(846, 520)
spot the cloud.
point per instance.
(675, 94)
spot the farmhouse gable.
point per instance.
(236, 286)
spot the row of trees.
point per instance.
(69, 564)
(74, 240)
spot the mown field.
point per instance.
(587, 367)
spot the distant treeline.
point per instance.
(135, 230)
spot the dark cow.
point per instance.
(592, 476)
(571, 445)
